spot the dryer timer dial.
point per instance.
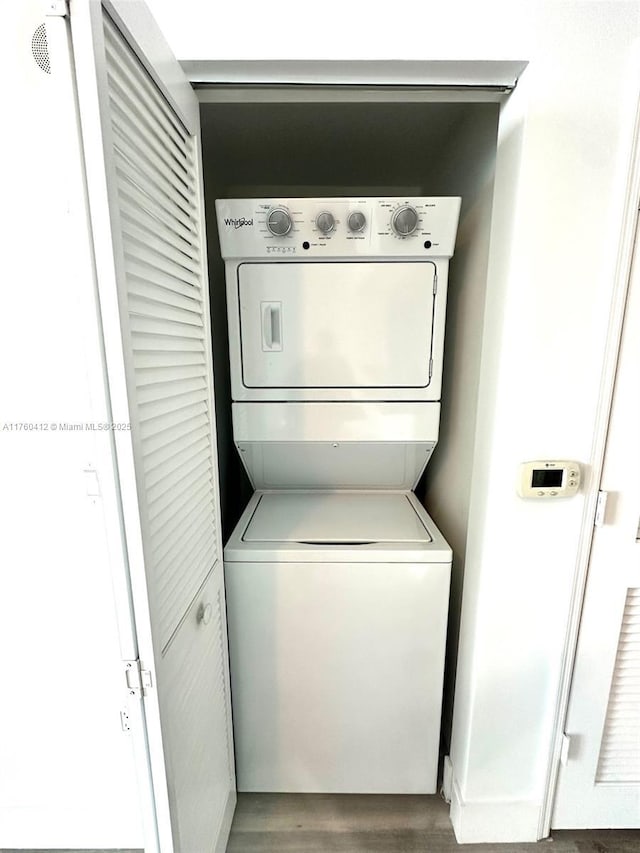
(404, 220)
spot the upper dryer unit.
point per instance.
(337, 299)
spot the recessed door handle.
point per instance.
(271, 326)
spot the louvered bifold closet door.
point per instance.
(157, 193)
(140, 128)
(619, 759)
(139, 121)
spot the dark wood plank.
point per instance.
(321, 823)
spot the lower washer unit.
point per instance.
(337, 613)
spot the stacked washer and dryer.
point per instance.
(337, 580)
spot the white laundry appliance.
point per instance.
(337, 579)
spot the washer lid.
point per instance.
(335, 519)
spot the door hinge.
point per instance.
(601, 509)
(56, 8)
(430, 368)
(565, 744)
(136, 678)
(91, 482)
(435, 283)
(125, 723)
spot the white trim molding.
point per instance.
(627, 230)
(456, 74)
(489, 821)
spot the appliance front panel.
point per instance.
(336, 674)
(345, 227)
(336, 325)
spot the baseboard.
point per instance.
(225, 823)
(447, 779)
(490, 821)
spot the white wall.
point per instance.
(466, 168)
(67, 774)
(561, 173)
(545, 333)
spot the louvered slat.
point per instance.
(174, 545)
(167, 520)
(175, 154)
(153, 267)
(167, 524)
(135, 238)
(169, 382)
(171, 155)
(137, 253)
(154, 475)
(163, 442)
(148, 274)
(184, 446)
(147, 344)
(164, 241)
(163, 311)
(154, 358)
(144, 164)
(159, 408)
(119, 56)
(137, 189)
(192, 550)
(619, 759)
(168, 373)
(153, 429)
(146, 226)
(155, 293)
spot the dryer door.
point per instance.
(336, 325)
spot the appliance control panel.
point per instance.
(548, 478)
(316, 228)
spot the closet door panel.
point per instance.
(140, 128)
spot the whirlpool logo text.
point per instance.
(238, 223)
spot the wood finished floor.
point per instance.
(323, 823)
(318, 823)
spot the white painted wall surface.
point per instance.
(551, 266)
(67, 776)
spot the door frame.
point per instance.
(628, 227)
(220, 82)
(619, 293)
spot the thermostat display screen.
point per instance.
(546, 479)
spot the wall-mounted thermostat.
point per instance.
(548, 478)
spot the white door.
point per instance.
(336, 325)
(599, 785)
(140, 130)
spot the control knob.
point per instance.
(325, 222)
(404, 220)
(279, 221)
(356, 221)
